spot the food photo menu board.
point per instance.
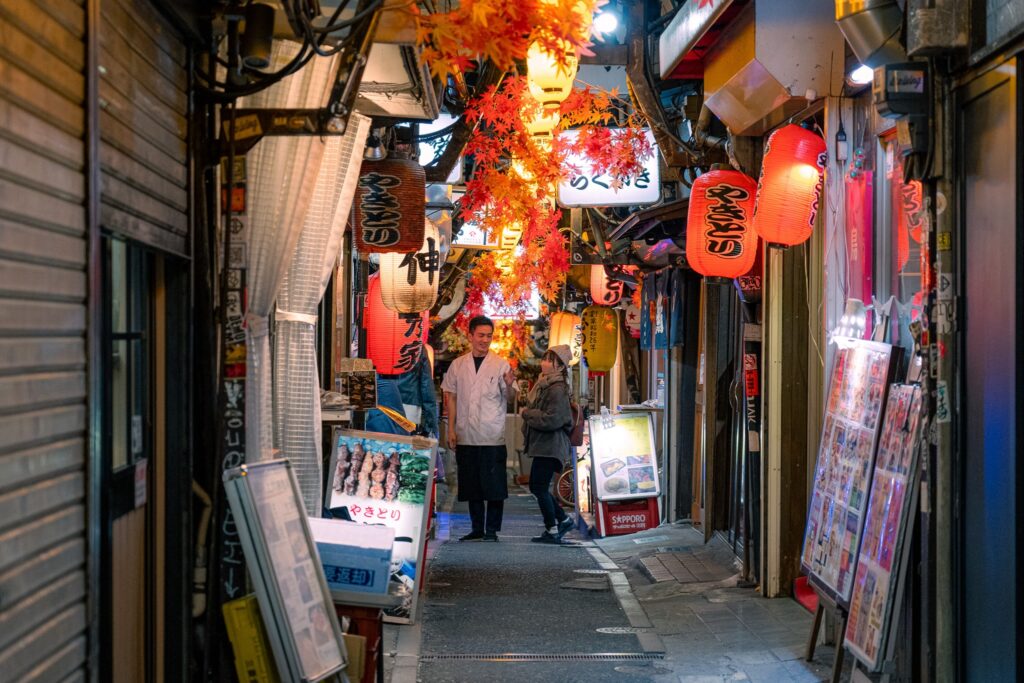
(624, 462)
(387, 479)
(842, 474)
(881, 563)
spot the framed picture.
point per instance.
(623, 458)
(386, 479)
(285, 570)
(860, 380)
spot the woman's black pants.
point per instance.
(542, 472)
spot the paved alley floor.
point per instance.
(655, 606)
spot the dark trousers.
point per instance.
(477, 515)
(542, 471)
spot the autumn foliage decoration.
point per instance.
(517, 174)
(501, 32)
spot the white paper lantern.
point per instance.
(567, 328)
(550, 83)
(408, 282)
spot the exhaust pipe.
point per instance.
(872, 27)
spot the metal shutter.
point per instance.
(143, 126)
(42, 341)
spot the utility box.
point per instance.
(770, 58)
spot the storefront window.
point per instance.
(899, 228)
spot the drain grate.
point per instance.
(541, 657)
(617, 630)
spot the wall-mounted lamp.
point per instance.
(862, 75)
(606, 22)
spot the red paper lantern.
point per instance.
(788, 191)
(390, 206)
(603, 289)
(720, 237)
(394, 340)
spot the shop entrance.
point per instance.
(991, 449)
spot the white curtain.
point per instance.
(282, 172)
(297, 431)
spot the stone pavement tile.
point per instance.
(746, 657)
(790, 653)
(808, 672)
(768, 673)
(710, 678)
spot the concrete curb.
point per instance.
(650, 642)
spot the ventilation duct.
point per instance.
(772, 61)
(872, 27)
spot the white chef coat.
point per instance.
(480, 399)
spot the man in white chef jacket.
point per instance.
(476, 389)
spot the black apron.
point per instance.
(481, 472)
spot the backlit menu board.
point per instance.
(625, 465)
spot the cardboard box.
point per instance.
(356, 648)
(355, 557)
(254, 662)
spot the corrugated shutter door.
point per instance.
(42, 341)
(143, 126)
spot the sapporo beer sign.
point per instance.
(390, 208)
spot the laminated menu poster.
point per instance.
(296, 606)
(386, 479)
(624, 463)
(842, 473)
(881, 563)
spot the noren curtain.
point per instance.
(297, 431)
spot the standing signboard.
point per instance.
(294, 600)
(625, 464)
(882, 561)
(842, 474)
(387, 479)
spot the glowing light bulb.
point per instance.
(606, 22)
(862, 75)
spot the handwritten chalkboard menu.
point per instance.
(294, 600)
(842, 474)
(881, 563)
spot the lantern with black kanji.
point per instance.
(604, 290)
(790, 185)
(390, 206)
(567, 328)
(720, 237)
(408, 282)
(600, 338)
(394, 341)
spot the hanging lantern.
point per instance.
(788, 191)
(600, 338)
(550, 83)
(408, 282)
(604, 290)
(544, 123)
(913, 210)
(720, 237)
(510, 236)
(567, 329)
(390, 206)
(394, 340)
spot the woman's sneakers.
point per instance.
(547, 537)
(565, 526)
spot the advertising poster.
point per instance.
(882, 558)
(386, 479)
(842, 473)
(623, 458)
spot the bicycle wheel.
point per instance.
(565, 488)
